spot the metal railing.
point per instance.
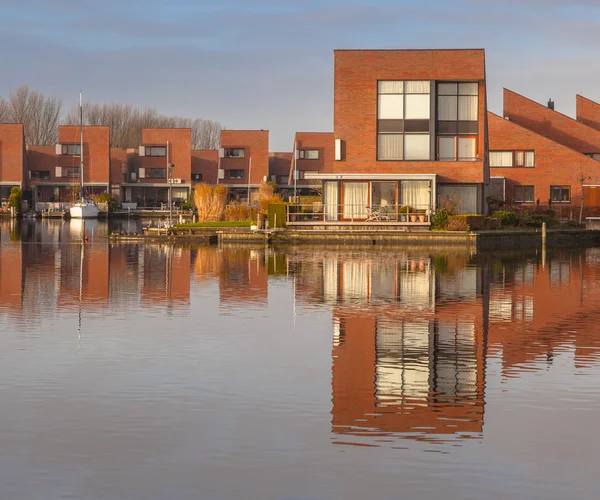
(317, 212)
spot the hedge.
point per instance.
(466, 222)
(278, 210)
(507, 217)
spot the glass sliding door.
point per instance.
(330, 190)
(355, 200)
(416, 194)
(383, 199)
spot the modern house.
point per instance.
(13, 159)
(244, 161)
(527, 168)
(312, 151)
(54, 170)
(410, 128)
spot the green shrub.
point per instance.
(407, 209)
(491, 224)
(466, 222)
(536, 220)
(494, 204)
(440, 218)
(277, 213)
(507, 217)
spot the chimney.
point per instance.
(551, 104)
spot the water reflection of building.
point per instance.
(406, 359)
(12, 276)
(166, 274)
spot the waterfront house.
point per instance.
(13, 160)
(312, 151)
(163, 159)
(243, 161)
(409, 128)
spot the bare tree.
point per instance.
(3, 111)
(126, 124)
(39, 114)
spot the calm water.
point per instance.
(158, 372)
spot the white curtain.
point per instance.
(447, 151)
(466, 194)
(468, 88)
(390, 107)
(447, 88)
(501, 158)
(390, 146)
(416, 147)
(467, 149)
(416, 194)
(447, 105)
(467, 107)
(530, 158)
(356, 196)
(417, 87)
(331, 200)
(355, 280)
(417, 107)
(390, 87)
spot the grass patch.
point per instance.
(235, 223)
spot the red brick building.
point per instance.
(313, 151)
(13, 160)
(528, 168)
(280, 170)
(588, 112)
(205, 166)
(244, 160)
(54, 170)
(164, 159)
(410, 126)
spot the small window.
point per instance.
(40, 175)
(235, 174)
(234, 153)
(560, 194)
(156, 151)
(71, 149)
(308, 154)
(519, 158)
(457, 148)
(156, 173)
(71, 172)
(284, 179)
(197, 177)
(529, 159)
(524, 194)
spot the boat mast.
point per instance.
(81, 144)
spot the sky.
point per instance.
(269, 64)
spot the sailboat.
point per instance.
(82, 209)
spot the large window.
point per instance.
(71, 149)
(156, 173)
(234, 153)
(560, 194)
(518, 158)
(235, 174)
(40, 174)
(524, 194)
(156, 151)
(403, 114)
(308, 154)
(70, 171)
(457, 121)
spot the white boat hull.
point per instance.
(84, 211)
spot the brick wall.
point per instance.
(555, 164)
(12, 156)
(550, 123)
(180, 140)
(280, 165)
(206, 162)
(588, 112)
(355, 106)
(118, 160)
(96, 152)
(322, 141)
(256, 146)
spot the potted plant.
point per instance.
(421, 215)
(405, 212)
